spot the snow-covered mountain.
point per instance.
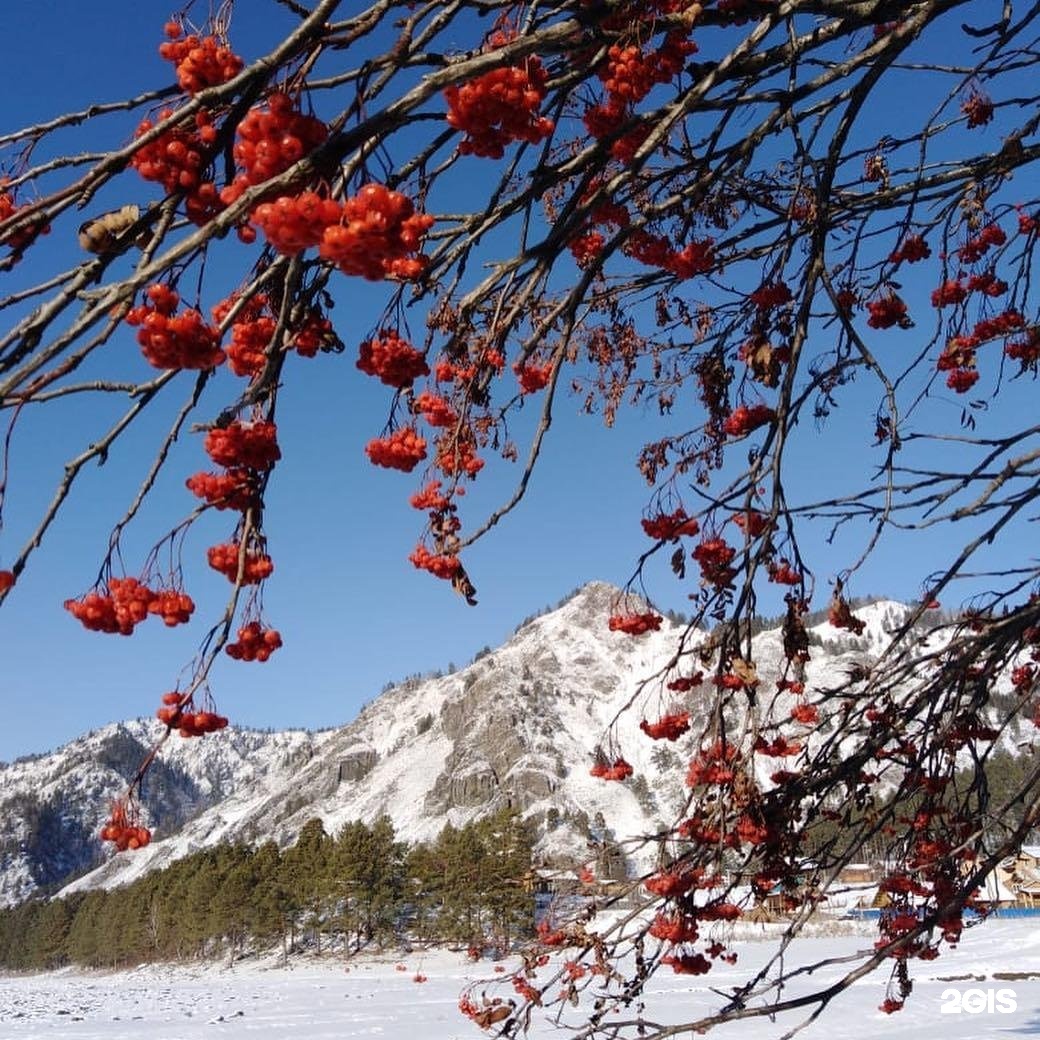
(51, 806)
(519, 726)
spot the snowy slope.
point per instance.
(330, 1000)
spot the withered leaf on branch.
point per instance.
(103, 234)
(745, 671)
(795, 636)
(464, 587)
(762, 359)
(679, 563)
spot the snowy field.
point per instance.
(320, 1000)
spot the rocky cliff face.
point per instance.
(517, 727)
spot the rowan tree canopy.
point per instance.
(730, 214)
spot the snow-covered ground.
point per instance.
(322, 1000)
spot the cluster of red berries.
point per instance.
(174, 607)
(172, 708)
(749, 831)
(293, 223)
(782, 573)
(197, 723)
(688, 963)
(635, 624)
(779, 747)
(771, 295)
(23, 237)
(958, 356)
(445, 371)
(668, 727)
(675, 883)
(630, 73)
(888, 310)
(697, 257)
(249, 445)
(960, 380)
(720, 911)
(533, 378)
(200, 62)
(430, 497)
(251, 333)
(846, 300)
(574, 970)
(1023, 677)
(314, 333)
(500, 107)
(6, 581)
(743, 419)
(987, 283)
(123, 831)
(674, 928)
(1025, 351)
(950, 293)
(714, 556)
(960, 350)
(170, 340)
(376, 236)
(224, 558)
(457, 454)
(912, 249)
(97, 612)
(1002, 324)
(234, 489)
(586, 248)
(666, 527)
(606, 119)
(752, 523)
(403, 449)
(657, 251)
(177, 160)
(270, 140)
(435, 409)
(991, 236)
(247, 450)
(685, 683)
(440, 565)
(805, 713)
(255, 643)
(619, 770)
(126, 603)
(713, 765)
(393, 359)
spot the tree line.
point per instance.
(362, 888)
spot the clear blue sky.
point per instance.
(353, 611)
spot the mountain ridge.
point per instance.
(517, 726)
